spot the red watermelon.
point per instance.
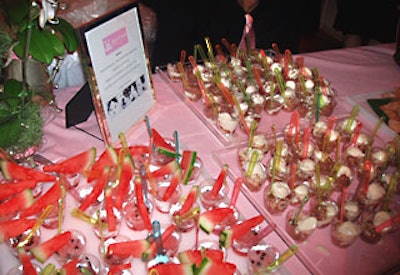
(12, 228)
(43, 251)
(14, 171)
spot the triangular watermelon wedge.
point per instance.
(189, 200)
(210, 218)
(122, 189)
(166, 170)
(43, 251)
(160, 142)
(238, 230)
(50, 197)
(127, 248)
(196, 256)
(11, 188)
(15, 171)
(175, 181)
(16, 203)
(220, 181)
(187, 164)
(109, 157)
(80, 163)
(12, 228)
(97, 190)
(143, 211)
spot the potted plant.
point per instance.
(31, 38)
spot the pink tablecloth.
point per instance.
(351, 71)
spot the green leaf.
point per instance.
(68, 34)
(10, 132)
(5, 115)
(16, 11)
(12, 92)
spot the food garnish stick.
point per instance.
(302, 83)
(253, 160)
(179, 219)
(306, 142)
(77, 213)
(296, 217)
(176, 139)
(392, 222)
(228, 46)
(394, 180)
(286, 255)
(183, 75)
(100, 224)
(292, 179)
(272, 93)
(236, 191)
(183, 57)
(372, 136)
(342, 204)
(143, 180)
(278, 55)
(160, 256)
(264, 62)
(352, 117)
(318, 180)
(327, 136)
(356, 134)
(300, 65)
(249, 68)
(210, 50)
(334, 171)
(317, 102)
(281, 83)
(338, 147)
(220, 53)
(258, 79)
(61, 202)
(253, 128)
(202, 53)
(276, 161)
(234, 103)
(36, 226)
(367, 176)
(199, 80)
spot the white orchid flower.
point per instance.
(48, 12)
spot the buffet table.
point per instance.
(356, 74)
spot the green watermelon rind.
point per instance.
(205, 222)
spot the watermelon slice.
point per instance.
(14, 171)
(152, 250)
(143, 211)
(187, 164)
(70, 268)
(43, 251)
(210, 218)
(122, 189)
(127, 248)
(196, 256)
(50, 197)
(215, 267)
(175, 181)
(189, 201)
(172, 268)
(160, 142)
(238, 230)
(12, 228)
(97, 190)
(25, 260)
(16, 203)
(80, 163)
(166, 170)
(108, 157)
(220, 181)
(111, 219)
(12, 188)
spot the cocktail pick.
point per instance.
(317, 102)
(160, 257)
(372, 136)
(253, 128)
(264, 62)
(210, 50)
(296, 217)
(227, 45)
(253, 160)
(203, 55)
(257, 77)
(176, 140)
(394, 180)
(277, 52)
(352, 117)
(286, 255)
(236, 191)
(306, 142)
(36, 226)
(367, 176)
(342, 204)
(143, 173)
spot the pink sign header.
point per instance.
(115, 40)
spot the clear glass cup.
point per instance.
(261, 256)
(300, 226)
(132, 216)
(73, 249)
(344, 233)
(110, 260)
(207, 200)
(165, 206)
(101, 228)
(187, 221)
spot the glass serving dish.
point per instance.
(318, 252)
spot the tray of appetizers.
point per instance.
(330, 186)
(232, 92)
